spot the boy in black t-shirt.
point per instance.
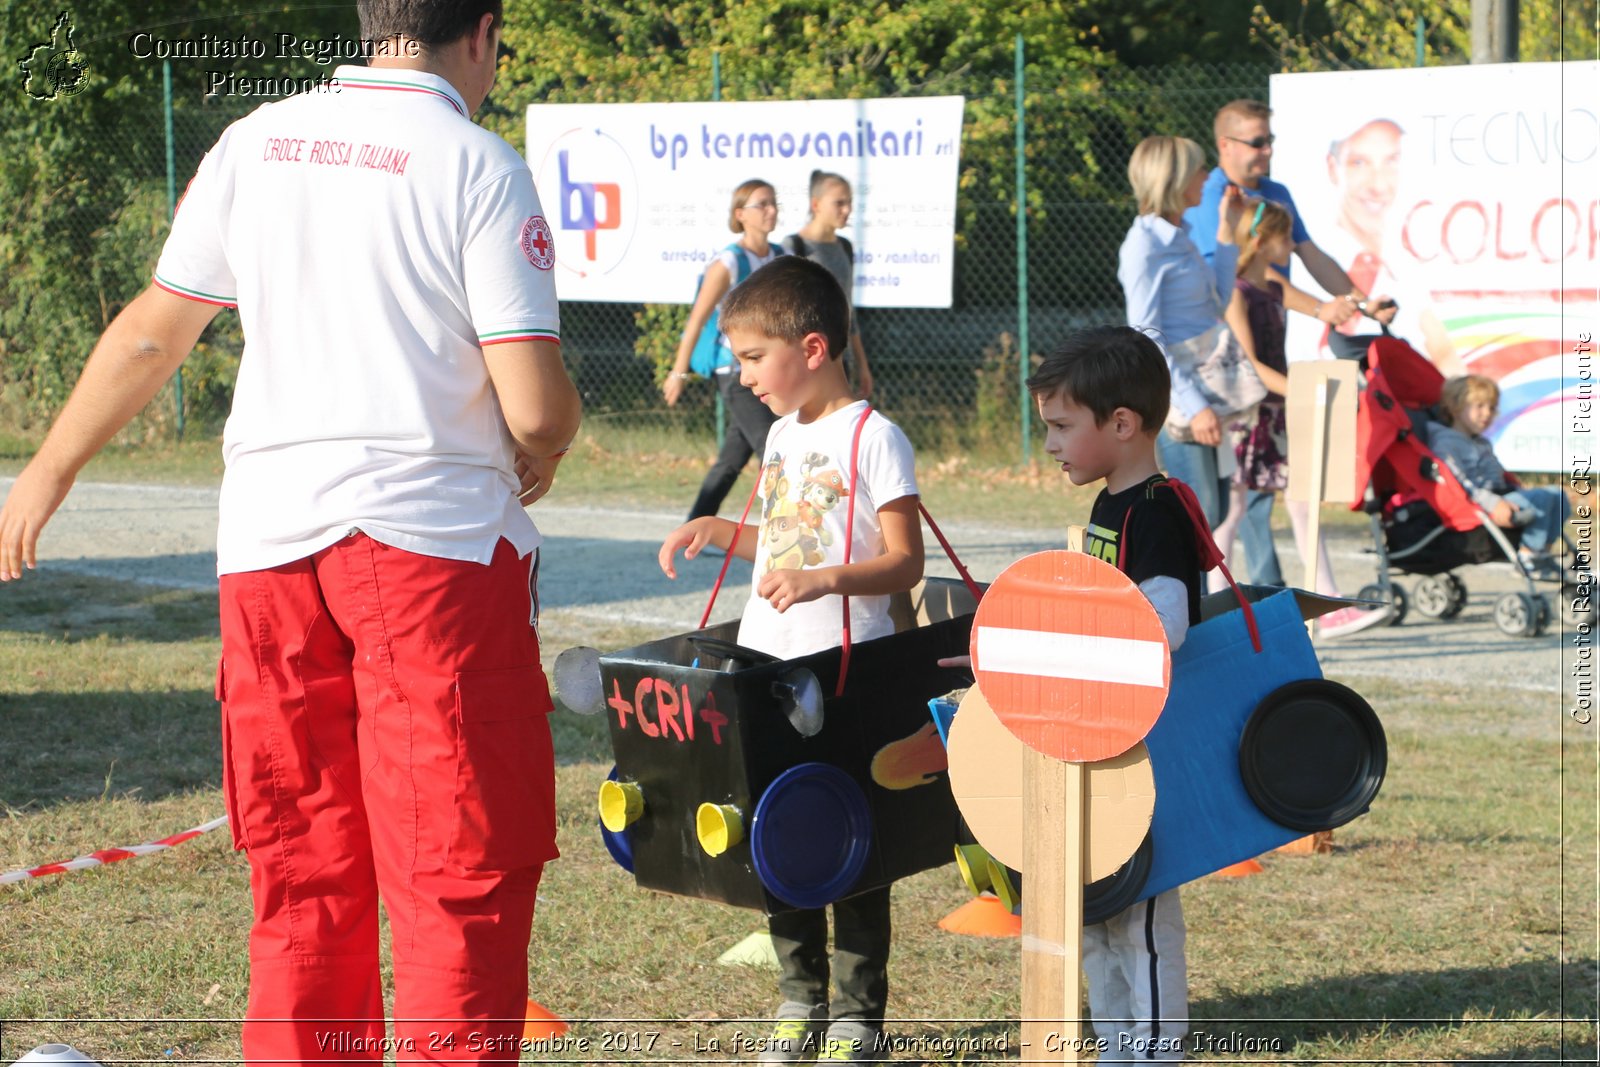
(1103, 396)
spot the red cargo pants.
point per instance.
(384, 733)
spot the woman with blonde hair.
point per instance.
(1172, 292)
(753, 215)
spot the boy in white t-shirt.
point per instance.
(828, 457)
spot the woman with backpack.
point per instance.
(819, 241)
(753, 216)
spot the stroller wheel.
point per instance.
(1440, 597)
(1397, 600)
(1577, 604)
(1520, 615)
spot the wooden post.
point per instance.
(1052, 910)
(1319, 467)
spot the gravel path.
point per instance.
(598, 574)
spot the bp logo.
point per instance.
(589, 175)
(54, 68)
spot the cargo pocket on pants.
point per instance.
(505, 770)
(230, 788)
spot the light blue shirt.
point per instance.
(1170, 288)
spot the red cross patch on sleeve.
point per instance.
(538, 243)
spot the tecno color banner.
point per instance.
(638, 194)
(1471, 195)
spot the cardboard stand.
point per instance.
(1322, 444)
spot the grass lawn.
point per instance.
(1456, 921)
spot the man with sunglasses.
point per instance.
(1243, 131)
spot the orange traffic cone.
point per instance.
(983, 916)
(1310, 845)
(1242, 869)
(541, 1025)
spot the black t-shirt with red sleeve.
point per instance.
(1145, 532)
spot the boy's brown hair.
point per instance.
(1466, 389)
(789, 298)
(1104, 368)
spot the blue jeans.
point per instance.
(1551, 510)
(1197, 466)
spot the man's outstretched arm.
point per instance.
(134, 358)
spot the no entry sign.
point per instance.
(1071, 656)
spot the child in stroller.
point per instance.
(1425, 520)
(1468, 405)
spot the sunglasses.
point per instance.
(1257, 143)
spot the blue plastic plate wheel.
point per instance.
(1313, 755)
(619, 844)
(811, 835)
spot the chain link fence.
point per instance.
(950, 377)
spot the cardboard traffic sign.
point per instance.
(987, 771)
(1071, 656)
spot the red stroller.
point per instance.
(1424, 522)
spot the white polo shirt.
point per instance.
(373, 239)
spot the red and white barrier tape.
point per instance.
(112, 855)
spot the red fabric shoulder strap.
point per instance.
(1206, 550)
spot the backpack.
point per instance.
(711, 351)
(797, 245)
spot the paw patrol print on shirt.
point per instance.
(792, 515)
(538, 243)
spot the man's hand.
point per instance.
(134, 358)
(535, 474)
(1503, 515)
(1382, 308)
(1338, 311)
(34, 497)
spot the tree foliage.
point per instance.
(83, 179)
(1363, 34)
(83, 182)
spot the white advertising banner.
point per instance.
(1471, 195)
(638, 194)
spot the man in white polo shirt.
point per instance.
(383, 706)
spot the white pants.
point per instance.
(1138, 983)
